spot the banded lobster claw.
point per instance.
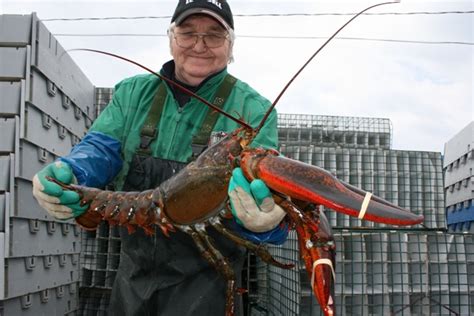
(316, 185)
(317, 249)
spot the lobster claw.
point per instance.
(318, 251)
(311, 183)
(321, 267)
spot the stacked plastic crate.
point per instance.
(380, 270)
(46, 105)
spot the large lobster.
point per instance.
(196, 197)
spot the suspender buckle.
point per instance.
(197, 150)
(146, 139)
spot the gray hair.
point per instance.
(231, 40)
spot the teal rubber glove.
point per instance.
(59, 203)
(252, 204)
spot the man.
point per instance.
(148, 132)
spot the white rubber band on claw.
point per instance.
(322, 261)
(365, 204)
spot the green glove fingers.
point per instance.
(257, 189)
(62, 172)
(69, 197)
(77, 209)
(58, 170)
(238, 179)
(260, 191)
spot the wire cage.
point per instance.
(100, 258)
(385, 272)
(378, 272)
(334, 131)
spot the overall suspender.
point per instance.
(201, 139)
(149, 131)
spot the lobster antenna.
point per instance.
(177, 85)
(311, 58)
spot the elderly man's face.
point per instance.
(196, 63)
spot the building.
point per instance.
(458, 166)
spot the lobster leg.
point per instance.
(318, 252)
(259, 250)
(313, 184)
(216, 259)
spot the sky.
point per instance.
(425, 89)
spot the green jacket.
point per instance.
(125, 115)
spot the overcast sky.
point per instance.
(425, 89)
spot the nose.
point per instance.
(200, 45)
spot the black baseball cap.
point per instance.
(218, 9)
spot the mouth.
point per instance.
(200, 57)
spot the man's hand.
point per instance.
(252, 204)
(59, 203)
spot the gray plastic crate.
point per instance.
(400, 303)
(15, 30)
(377, 277)
(27, 207)
(4, 199)
(9, 128)
(37, 273)
(27, 44)
(14, 63)
(58, 105)
(460, 301)
(31, 159)
(56, 65)
(5, 171)
(59, 300)
(33, 237)
(42, 130)
(12, 96)
(418, 277)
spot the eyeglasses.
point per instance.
(189, 39)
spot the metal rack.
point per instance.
(334, 131)
(379, 273)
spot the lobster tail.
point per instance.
(130, 209)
